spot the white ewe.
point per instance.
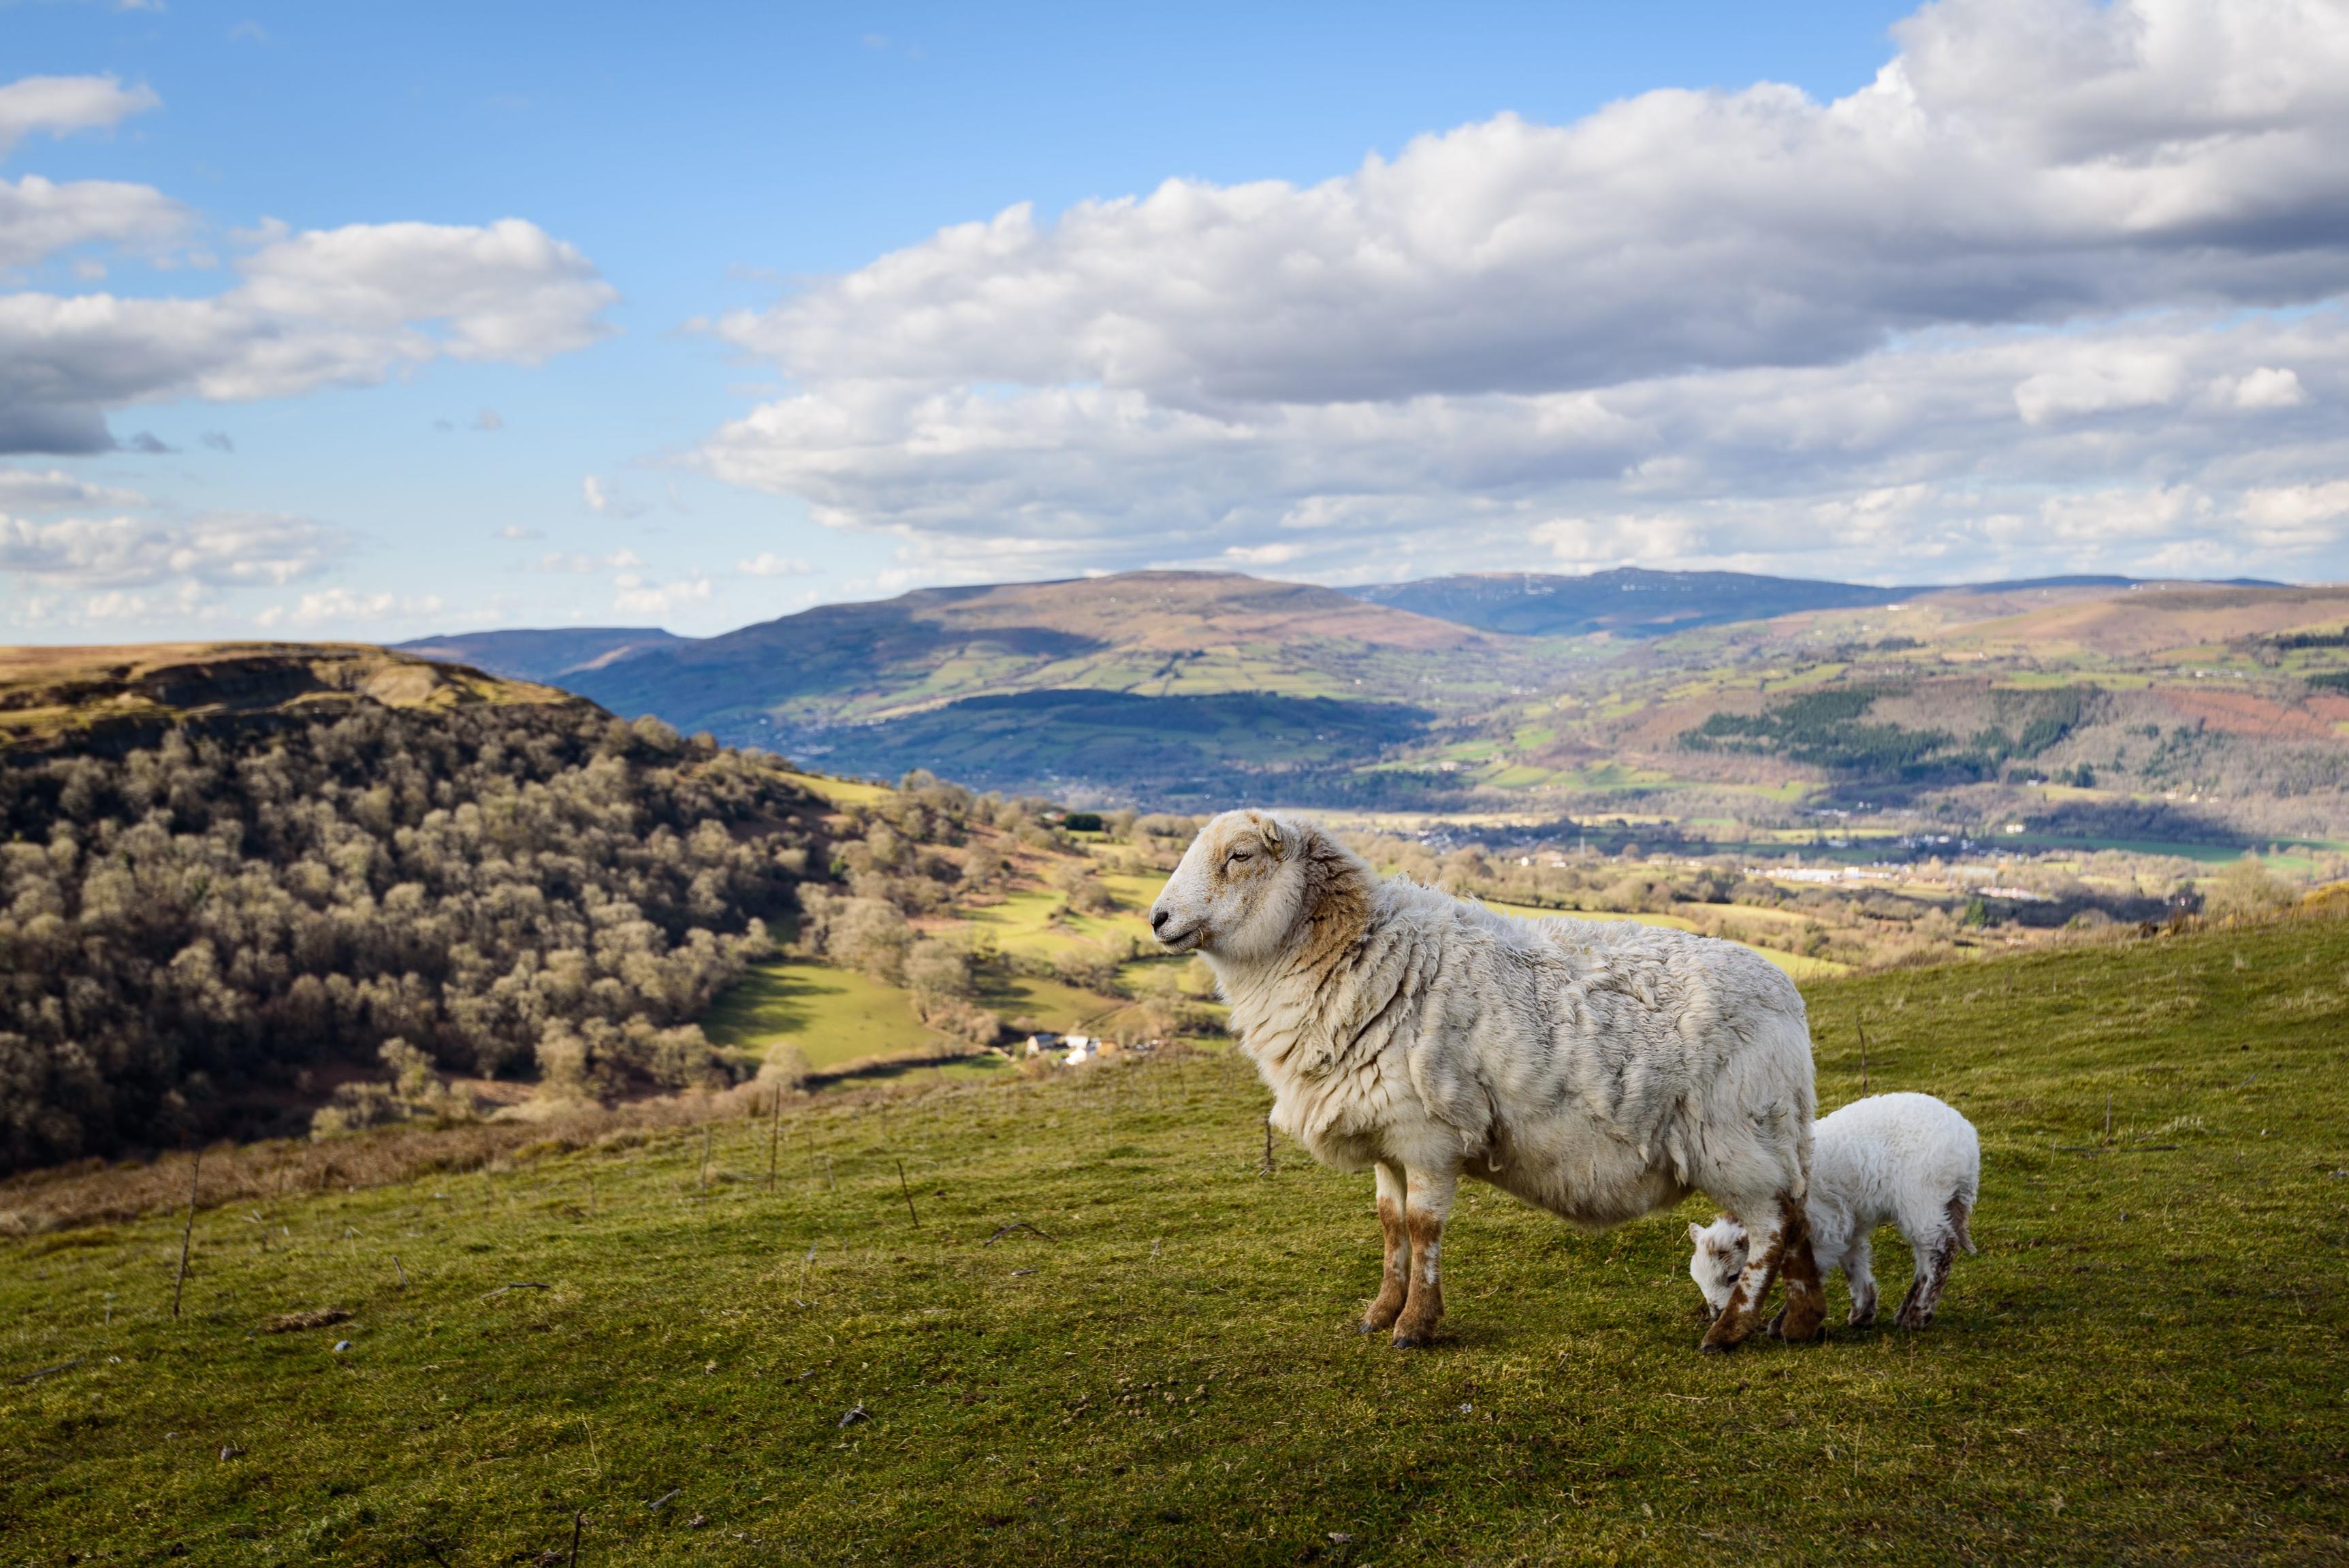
(1600, 1071)
(1906, 1160)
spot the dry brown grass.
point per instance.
(92, 1192)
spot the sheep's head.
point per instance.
(1720, 1259)
(1242, 885)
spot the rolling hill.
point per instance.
(1197, 686)
(2196, 713)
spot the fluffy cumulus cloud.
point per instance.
(338, 307)
(62, 104)
(214, 550)
(2062, 285)
(320, 308)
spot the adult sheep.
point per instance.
(1599, 1071)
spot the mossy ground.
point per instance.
(2147, 1362)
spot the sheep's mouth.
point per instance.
(1181, 941)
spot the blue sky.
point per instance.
(693, 388)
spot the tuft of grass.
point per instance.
(2146, 1361)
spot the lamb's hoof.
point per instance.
(1413, 1341)
(1368, 1328)
(1717, 1346)
(1916, 1322)
(1776, 1327)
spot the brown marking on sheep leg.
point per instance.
(1395, 1288)
(1960, 1214)
(1743, 1311)
(1925, 1291)
(1908, 1302)
(1804, 1319)
(1424, 1306)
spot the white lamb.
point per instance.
(1599, 1071)
(1903, 1159)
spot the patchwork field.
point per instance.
(649, 1348)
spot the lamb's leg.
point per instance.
(1858, 1271)
(1934, 1253)
(1429, 1201)
(1781, 1245)
(1395, 1288)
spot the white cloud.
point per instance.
(338, 307)
(767, 563)
(39, 218)
(54, 490)
(342, 607)
(601, 500)
(515, 531)
(2297, 517)
(2124, 379)
(638, 597)
(586, 565)
(2045, 253)
(61, 105)
(220, 550)
(2270, 388)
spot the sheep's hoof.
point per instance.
(1776, 1327)
(1412, 1341)
(1711, 1347)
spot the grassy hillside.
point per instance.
(2146, 1361)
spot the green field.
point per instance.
(2147, 1362)
(833, 1016)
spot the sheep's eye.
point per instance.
(1239, 855)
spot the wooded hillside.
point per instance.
(192, 930)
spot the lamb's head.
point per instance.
(1252, 882)
(1720, 1258)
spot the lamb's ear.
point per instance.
(1696, 1232)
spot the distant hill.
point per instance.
(542, 655)
(103, 697)
(1189, 690)
(1160, 680)
(1629, 601)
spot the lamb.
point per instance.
(1599, 1071)
(1905, 1159)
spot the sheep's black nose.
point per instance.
(1157, 919)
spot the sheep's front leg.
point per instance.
(1394, 1289)
(1429, 1201)
(1781, 1245)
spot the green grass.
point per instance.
(833, 1016)
(1174, 1378)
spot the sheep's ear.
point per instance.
(1269, 831)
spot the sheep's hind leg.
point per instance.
(1783, 1247)
(1925, 1291)
(1394, 1289)
(1430, 1200)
